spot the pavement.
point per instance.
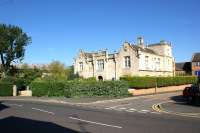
(78, 100)
(128, 115)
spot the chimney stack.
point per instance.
(140, 41)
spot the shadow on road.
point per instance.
(21, 125)
(2, 106)
(180, 100)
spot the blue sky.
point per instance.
(59, 28)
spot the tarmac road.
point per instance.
(38, 117)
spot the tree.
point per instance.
(70, 73)
(57, 69)
(27, 74)
(12, 46)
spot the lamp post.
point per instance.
(199, 80)
(156, 86)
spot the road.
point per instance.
(110, 117)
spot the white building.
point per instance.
(130, 60)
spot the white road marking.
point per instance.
(92, 122)
(108, 108)
(43, 111)
(13, 104)
(132, 109)
(122, 108)
(145, 110)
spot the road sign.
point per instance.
(197, 73)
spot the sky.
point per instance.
(60, 28)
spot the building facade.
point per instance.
(131, 60)
(196, 64)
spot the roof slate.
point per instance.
(144, 49)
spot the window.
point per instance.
(158, 65)
(154, 67)
(147, 62)
(100, 64)
(197, 63)
(81, 66)
(127, 62)
(168, 51)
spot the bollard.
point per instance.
(14, 90)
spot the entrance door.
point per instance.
(100, 78)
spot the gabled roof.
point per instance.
(111, 55)
(196, 57)
(88, 55)
(160, 43)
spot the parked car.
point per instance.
(192, 94)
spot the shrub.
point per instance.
(90, 79)
(6, 88)
(6, 85)
(79, 88)
(40, 88)
(150, 82)
(140, 82)
(20, 82)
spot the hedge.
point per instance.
(6, 85)
(151, 82)
(80, 88)
(6, 89)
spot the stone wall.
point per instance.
(158, 90)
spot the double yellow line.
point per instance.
(158, 107)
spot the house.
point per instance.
(183, 68)
(131, 60)
(196, 64)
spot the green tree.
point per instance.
(29, 74)
(26, 75)
(70, 73)
(12, 46)
(57, 69)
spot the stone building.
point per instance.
(131, 60)
(196, 64)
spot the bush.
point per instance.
(79, 88)
(150, 82)
(140, 82)
(6, 88)
(170, 81)
(14, 81)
